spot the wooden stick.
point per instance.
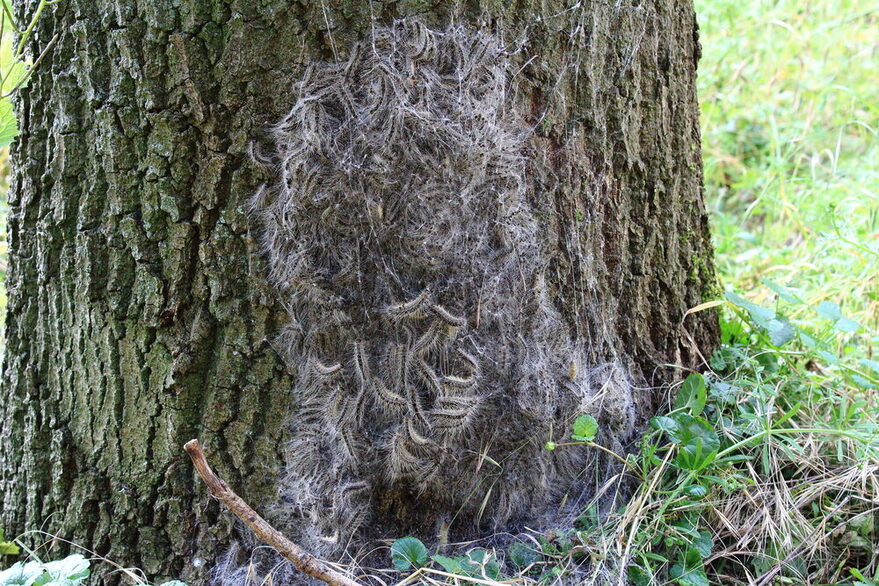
(304, 561)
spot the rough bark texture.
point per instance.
(140, 315)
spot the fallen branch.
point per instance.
(304, 561)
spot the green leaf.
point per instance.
(759, 315)
(871, 364)
(829, 310)
(847, 325)
(664, 423)
(522, 555)
(451, 565)
(692, 394)
(69, 571)
(703, 544)
(408, 552)
(780, 331)
(484, 561)
(21, 574)
(7, 547)
(698, 443)
(690, 571)
(8, 123)
(696, 491)
(639, 577)
(782, 291)
(585, 428)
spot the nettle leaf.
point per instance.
(408, 552)
(703, 544)
(692, 394)
(585, 429)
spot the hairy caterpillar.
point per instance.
(400, 459)
(443, 314)
(417, 438)
(428, 340)
(428, 375)
(458, 383)
(318, 368)
(409, 309)
(361, 365)
(388, 401)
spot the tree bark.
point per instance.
(140, 309)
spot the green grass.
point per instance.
(790, 112)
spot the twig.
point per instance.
(304, 561)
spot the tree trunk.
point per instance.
(153, 300)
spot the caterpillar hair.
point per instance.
(409, 309)
(320, 369)
(444, 315)
(388, 401)
(458, 383)
(427, 374)
(361, 365)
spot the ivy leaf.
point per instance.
(408, 552)
(585, 429)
